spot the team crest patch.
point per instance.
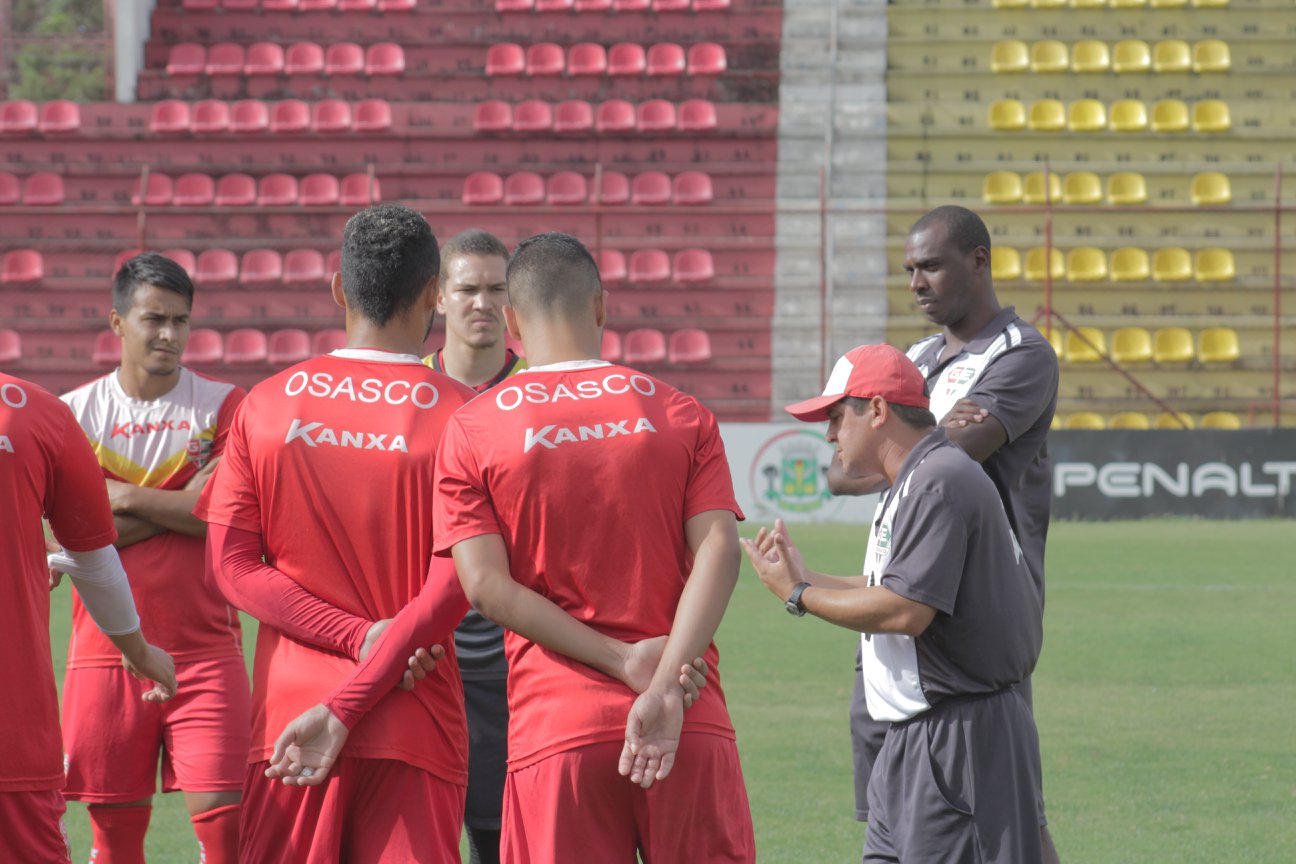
(959, 375)
(198, 451)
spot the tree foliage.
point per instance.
(50, 70)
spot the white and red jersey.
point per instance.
(589, 472)
(46, 469)
(331, 461)
(161, 444)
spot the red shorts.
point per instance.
(31, 828)
(112, 739)
(368, 810)
(575, 807)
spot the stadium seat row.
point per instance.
(571, 188)
(213, 116)
(39, 190)
(300, 5)
(243, 190)
(1168, 345)
(664, 59)
(647, 345)
(1086, 187)
(612, 5)
(577, 115)
(300, 58)
(259, 267)
(1127, 264)
(1126, 115)
(22, 115)
(1091, 420)
(1094, 56)
(1114, 4)
(649, 266)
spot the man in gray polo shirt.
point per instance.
(952, 622)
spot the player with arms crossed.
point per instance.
(157, 428)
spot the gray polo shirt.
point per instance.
(942, 538)
(1010, 370)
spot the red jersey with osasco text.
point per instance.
(331, 462)
(46, 469)
(160, 444)
(589, 472)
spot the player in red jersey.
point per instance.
(157, 428)
(329, 477)
(587, 507)
(47, 469)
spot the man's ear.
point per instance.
(115, 322)
(339, 296)
(511, 323)
(600, 308)
(881, 411)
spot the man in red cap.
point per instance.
(951, 621)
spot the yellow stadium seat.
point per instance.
(1088, 4)
(1005, 263)
(1047, 115)
(1173, 421)
(1090, 55)
(1048, 4)
(1214, 265)
(1211, 4)
(1131, 55)
(1211, 55)
(1010, 4)
(1129, 264)
(1126, 4)
(1170, 115)
(1086, 264)
(1210, 187)
(1085, 345)
(1172, 264)
(1126, 187)
(1221, 420)
(1056, 422)
(1034, 267)
(1007, 115)
(1087, 115)
(1132, 345)
(1056, 341)
(1010, 56)
(1128, 115)
(1218, 345)
(1086, 420)
(1211, 115)
(1130, 420)
(1082, 187)
(1167, 4)
(1049, 55)
(1035, 192)
(1171, 55)
(1172, 345)
(1001, 187)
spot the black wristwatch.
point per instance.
(793, 603)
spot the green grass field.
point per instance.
(1165, 699)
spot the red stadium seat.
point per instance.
(359, 190)
(643, 346)
(524, 187)
(493, 116)
(372, 115)
(264, 58)
(397, 5)
(235, 190)
(545, 58)
(587, 58)
(279, 5)
(225, 58)
(249, 115)
(169, 115)
(216, 267)
(670, 5)
(483, 187)
(554, 5)
(205, 347)
(240, 5)
(648, 266)
(318, 190)
(200, 5)
(693, 265)
(615, 115)
(650, 187)
(357, 5)
(10, 346)
(613, 188)
(10, 189)
(194, 190)
(303, 266)
(611, 346)
(304, 58)
(184, 258)
(593, 5)
(331, 115)
(505, 58)
(287, 347)
(154, 192)
(276, 190)
(626, 58)
(332, 263)
(710, 5)
(210, 116)
(344, 58)
(533, 115)
(567, 187)
(665, 59)
(692, 187)
(316, 5)
(326, 341)
(656, 115)
(514, 5)
(43, 189)
(384, 58)
(261, 267)
(122, 257)
(611, 265)
(18, 115)
(245, 347)
(22, 267)
(290, 115)
(689, 346)
(107, 349)
(697, 115)
(574, 115)
(186, 58)
(707, 58)
(631, 5)
(59, 115)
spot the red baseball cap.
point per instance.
(867, 371)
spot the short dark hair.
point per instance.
(149, 268)
(473, 241)
(389, 255)
(911, 415)
(965, 228)
(552, 272)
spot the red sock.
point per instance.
(118, 834)
(217, 831)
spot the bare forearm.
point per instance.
(834, 583)
(868, 610)
(171, 509)
(701, 607)
(132, 530)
